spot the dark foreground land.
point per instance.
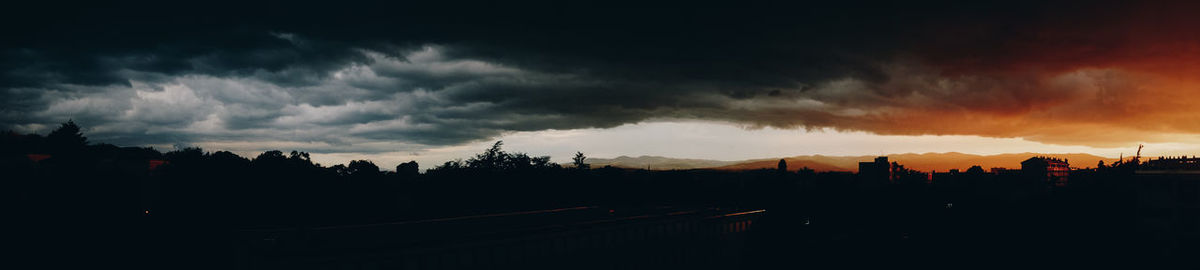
(782, 226)
(582, 237)
(707, 238)
(75, 204)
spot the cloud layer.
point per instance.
(387, 78)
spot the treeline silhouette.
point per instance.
(139, 207)
(72, 191)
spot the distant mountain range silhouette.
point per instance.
(659, 163)
(794, 164)
(922, 162)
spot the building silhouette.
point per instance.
(1051, 171)
(875, 172)
(1168, 204)
(1183, 163)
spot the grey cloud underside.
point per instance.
(351, 74)
(422, 96)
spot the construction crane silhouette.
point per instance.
(1138, 156)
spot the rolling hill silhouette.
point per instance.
(658, 163)
(921, 162)
(794, 164)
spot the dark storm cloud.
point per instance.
(88, 43)
(440, 74)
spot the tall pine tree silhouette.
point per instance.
(66, 139)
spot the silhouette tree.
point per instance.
(299, 156)
(493, 158)
(542, 162)
(447, 167)
(578, 161)
(453, 164)
(270, 156)
(408, 169)
(340, 170)
(518, 161)
(976, 170)
(14, 143)
(229, 158)
(67, 138)
(190, 155)
(362, 168)
(782, 165)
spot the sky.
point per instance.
(397, 81)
